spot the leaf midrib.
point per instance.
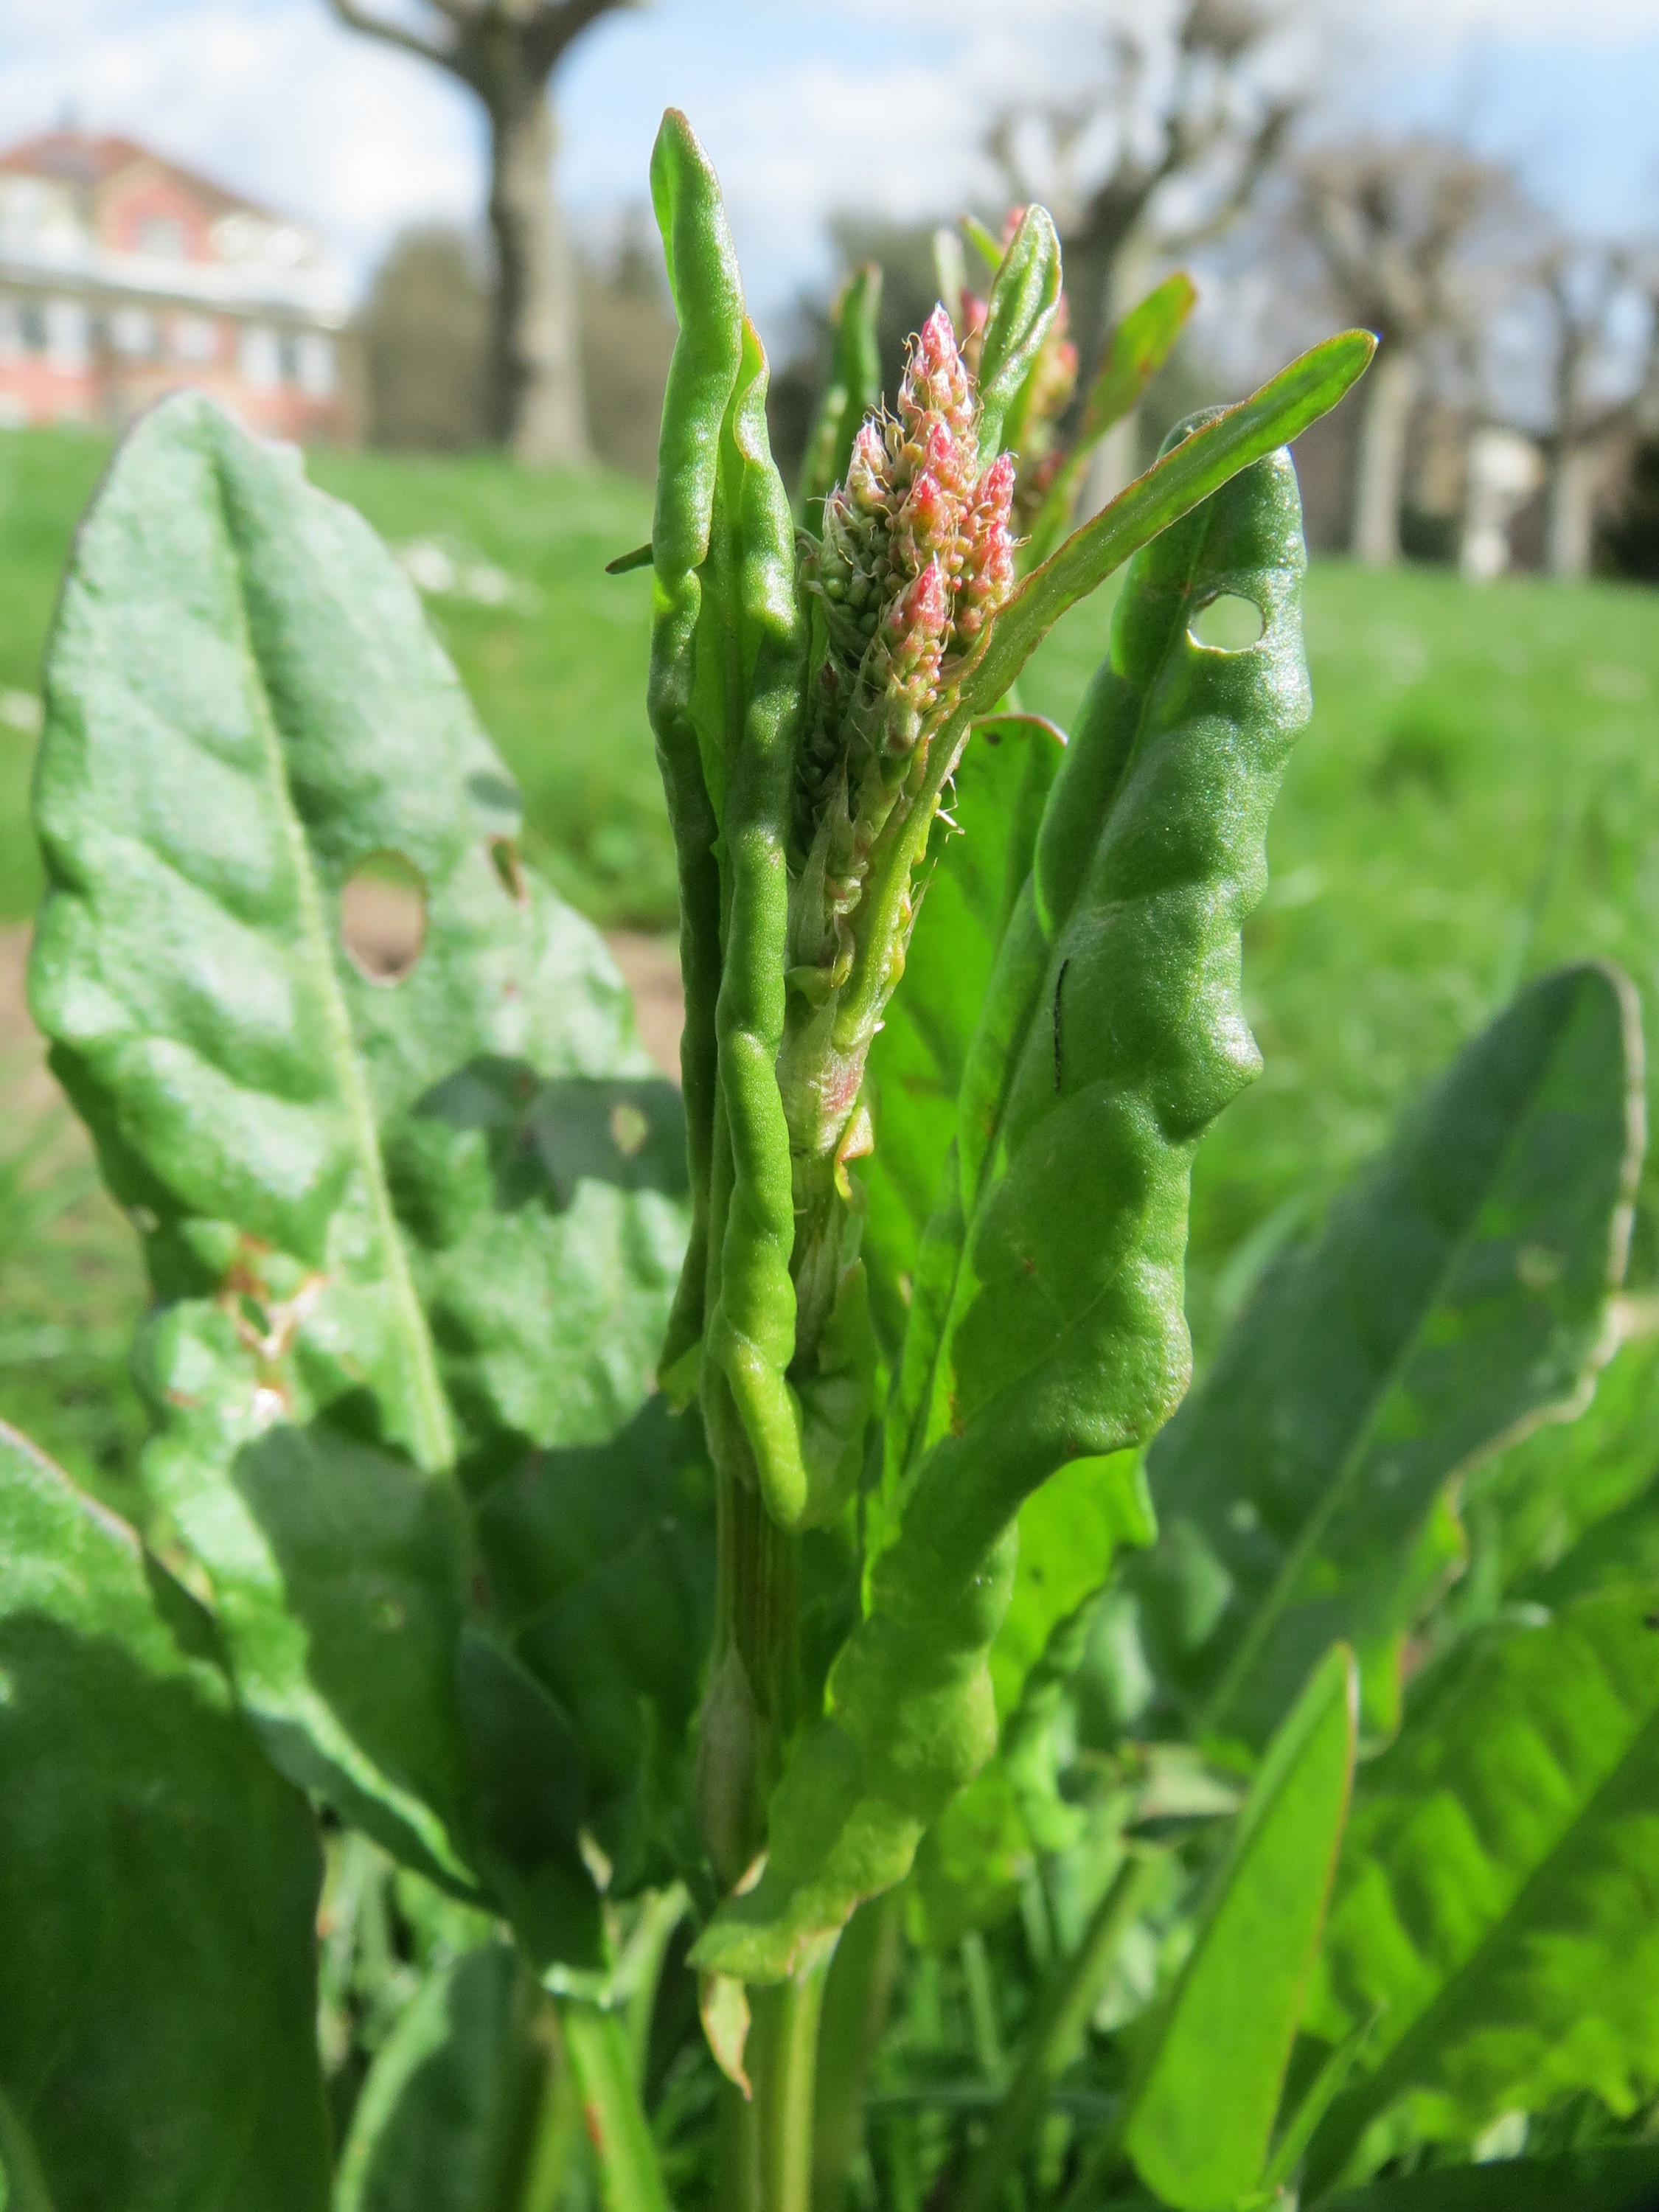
(431, 1433)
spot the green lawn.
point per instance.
(1478, 795)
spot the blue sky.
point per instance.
(805, 107)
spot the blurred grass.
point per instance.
(1478, 797)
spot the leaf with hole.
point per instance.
(158, 2008)
(1111, 1034)
(390, 1229)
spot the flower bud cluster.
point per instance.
(916, 554)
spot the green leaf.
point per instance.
(1569, 1504)
(1052, 1328)
(1019, 315)
(1497, 1890)
(708, 295)
(158, 1885)
(989, 1837)
(1185, 474)
(603, 1564)
(461, 2100)
(978, 860)
(1140, 345)
(1624, 2178)
(851, 391)
(1460, 1289)
(361, 1202)
(1071, 1531)
(751, 651)
(1200, 2107)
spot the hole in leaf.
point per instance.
(504, 852)
(629, 1128)
(1226, 624)
(383, 917)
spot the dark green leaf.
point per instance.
(1200, 2108)
(1460, 1289)
(1497, 1892)
(604, 1563)
(1612, 2180)
(158, 1885)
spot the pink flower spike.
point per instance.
(866, 470)
(936, 342)
(925, 608)
(927, 521)
(994, 501)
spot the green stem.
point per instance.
(597, 2041)
(766, 2146)
(1059, 2028)
(857, 1996)
(748, 1709)
(555, 2120)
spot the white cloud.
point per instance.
(804, 108)
(274, 99)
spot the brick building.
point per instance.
(123, 276)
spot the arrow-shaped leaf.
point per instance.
(1460, 1289)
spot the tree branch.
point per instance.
(552, 28)
(391, 34)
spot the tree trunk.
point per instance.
(536, 360)
(1575, 471)
(1389, 392)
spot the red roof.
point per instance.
(77, 157)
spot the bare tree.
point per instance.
(506, 51)
(1398, 229)
(1163, 149)
(1585, 289)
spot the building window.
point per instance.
(194, 339)
(66, 335)
(261, 358)
(132, 332)
(31, 326)
(162, 236)
(11, 331)
(316, 366)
